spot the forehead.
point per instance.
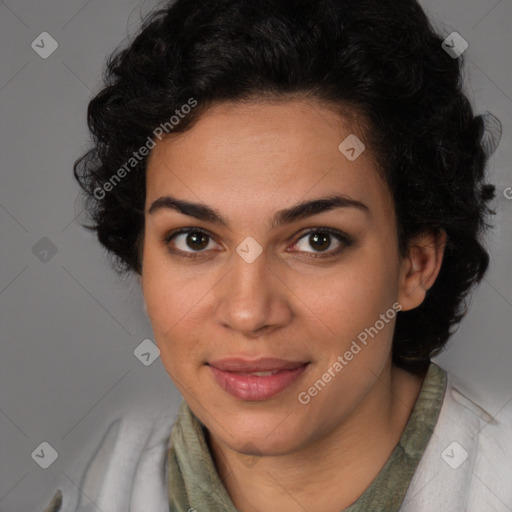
(257, 154)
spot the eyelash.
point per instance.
(345, 240)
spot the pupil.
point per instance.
(197, 240)
(321, 240)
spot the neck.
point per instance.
(334, 471)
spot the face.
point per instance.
(299, 286)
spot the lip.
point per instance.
(232, 376)
(263, 364)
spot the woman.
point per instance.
(299, 187)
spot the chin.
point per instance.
(253, 434)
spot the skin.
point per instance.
(249, 161)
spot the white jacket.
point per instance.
(466, 466)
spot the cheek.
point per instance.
(352, 296)
(161, 289)
(173, 297)
(161, 296)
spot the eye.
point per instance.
(193, 242)
(191, 238)
(321, 239)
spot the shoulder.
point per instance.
(125, 470)
(468, 460)
(491, 464)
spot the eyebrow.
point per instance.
(287, 216)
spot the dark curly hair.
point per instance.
(383, 62)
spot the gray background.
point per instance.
(69, 326)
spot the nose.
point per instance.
(252, 299)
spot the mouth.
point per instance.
(256, 380)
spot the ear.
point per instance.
(419, 270)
